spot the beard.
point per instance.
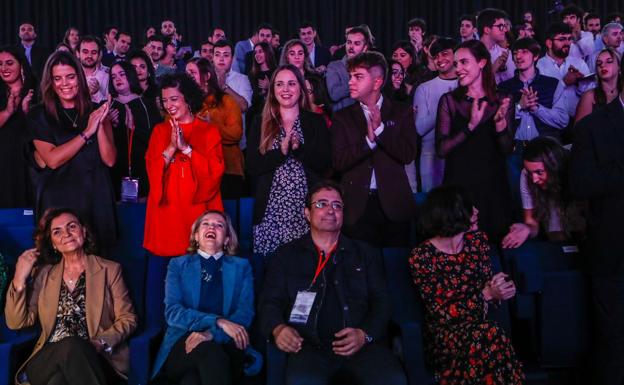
(561, 52)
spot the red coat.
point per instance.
(180, 192)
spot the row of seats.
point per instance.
(551, 294)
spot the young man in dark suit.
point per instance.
(372, 141)
(597, 175)
(35, 54)
(319, 55)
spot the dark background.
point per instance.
(193, 18)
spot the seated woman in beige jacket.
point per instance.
(80, 302)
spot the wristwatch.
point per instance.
(368, 339)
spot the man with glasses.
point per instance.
(557, 63)
(372, 141)
(492, 28)
(325, 302)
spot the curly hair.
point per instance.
(187, 87)
(43, 236)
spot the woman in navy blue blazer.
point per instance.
(208, 307)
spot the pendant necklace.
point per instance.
(74, 124)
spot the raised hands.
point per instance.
(26, 101)
(96, 118)
(529, 99)
(23, 267)
(477, 110)
(501, 114)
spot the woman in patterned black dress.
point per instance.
(453, 273)
(288, 148)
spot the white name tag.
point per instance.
(302, 307)
(129, 190)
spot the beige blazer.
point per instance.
(110, 314)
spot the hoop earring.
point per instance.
(23, 77)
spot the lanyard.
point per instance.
(130, 136)
(322, 261)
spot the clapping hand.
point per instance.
(373, 122)
(96, 118)
(26, 101)
(477, 110)
(529, 100)
(501, 114)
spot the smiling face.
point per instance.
(296, 56)
(327, 218)
(468, 69)
(65, 83)
(402, 57)
(88, 54)
(287, 89)
(155, 50)
(66, 233)
(10, 68)
(259, 55)
(307, 35)
(537, 173)
(444, 61)
(211, 234)
(175, 104)
(398, 74)
(560, 45)
(607, 66)
(120, 80)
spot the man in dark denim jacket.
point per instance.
(325, 302)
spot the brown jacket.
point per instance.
(110, 315)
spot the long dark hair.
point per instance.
(28, 79)
(151, 79)
(269, 58)
(446, 212)
(550, 152)
(208, 75)
(480, 52)
(43, 236)
(599, 94)
(48, 95)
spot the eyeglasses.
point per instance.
(398, 73)
(501, 27)
(564, 39)
(323, 203)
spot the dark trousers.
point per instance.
(372, 365)
(375, 228)
(71, 361)
(208, 364)
(232, 186)
(607, 295)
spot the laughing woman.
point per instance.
(208, 308)
(184, 163)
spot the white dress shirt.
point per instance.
(378, 131)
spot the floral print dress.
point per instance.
(462, 346)
(283, 219)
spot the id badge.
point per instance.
(302, 307)
(129, 190)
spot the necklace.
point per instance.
(74, 124)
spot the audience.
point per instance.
(372, 141)
(209, 305)
(79, 300)
(474, 133)
(184, 163)
(545, 201)
(426, 99)
(221, 110)
(608, 87)
(133, 117)
(89, 52)
(98, 136)
(453, 273)
(17, 92)
(288, 152)
(346, 339)
(73, 149)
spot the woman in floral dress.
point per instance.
(453, 273)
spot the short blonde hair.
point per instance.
(229, 248)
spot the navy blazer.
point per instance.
(182, 289)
